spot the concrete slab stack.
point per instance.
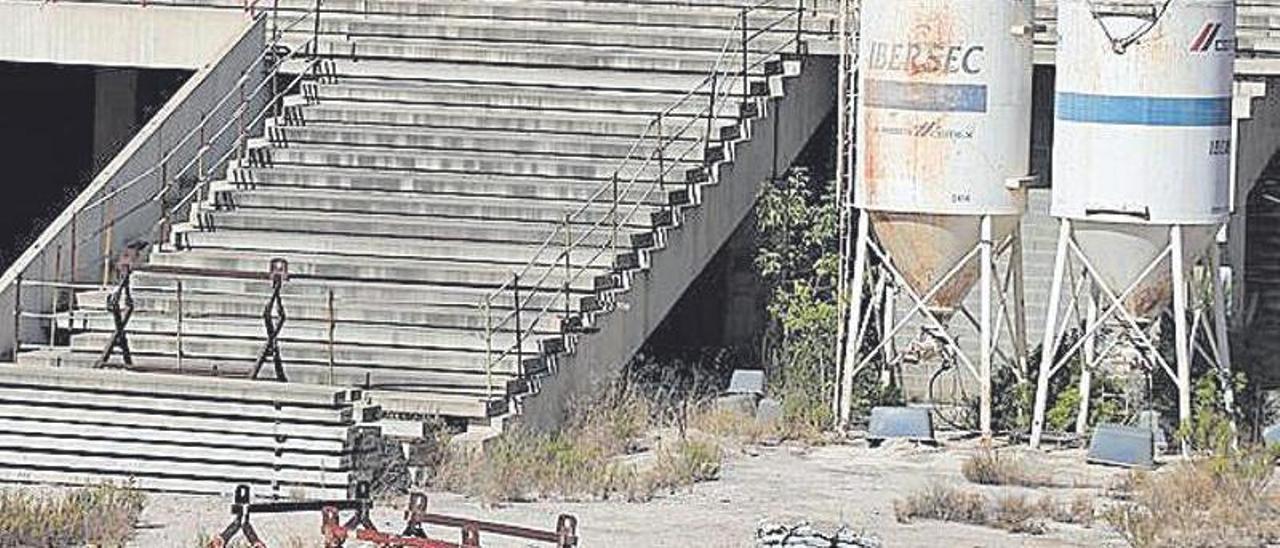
(184, 434)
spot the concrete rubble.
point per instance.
(805, 535)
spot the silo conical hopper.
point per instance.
(944, 122)
(1143, 132)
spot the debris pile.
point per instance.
(805, 535)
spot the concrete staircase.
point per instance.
(439, 147)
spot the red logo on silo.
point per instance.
(1207, 38)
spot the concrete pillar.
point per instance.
(115, 111)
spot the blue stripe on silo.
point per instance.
(1144, 111)
(925, 97)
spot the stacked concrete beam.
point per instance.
(185, 434)
(445, 141)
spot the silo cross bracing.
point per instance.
(943, 122)
(1142, 149)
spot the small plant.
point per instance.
(989, 467)
(1216, 501)
(943, 503)
(1016, 514)
(103, 515)
(1011, 512)
(592, 457)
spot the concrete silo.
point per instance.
(1141, 179)
(943, 119)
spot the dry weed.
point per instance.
(102, 515)
(1219, 501)
(734, 426)
(1015, 513)
(599, 454)
(943, 503)
(989, 467)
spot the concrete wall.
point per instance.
(782, 133)
(122, 205)
(115, 35)
(115, 109)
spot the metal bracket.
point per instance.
(273, 318)
(120, 316)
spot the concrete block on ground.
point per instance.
(1125, 446)
(908, 423)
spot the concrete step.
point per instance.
(607, 148)
(427, 205)
(160, 303)
(305, 363)
(388, 293)
(453, 349)
(540, 54)
(328, 267)
(559, 97)
(552, 164)
(358, 247)
(498, 33)
(465, 117)
(599, 79)
(601, 14)
(35, 364)
(472, 230)
(412, 185)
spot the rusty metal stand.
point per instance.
(242, 511)
(273, 318)
(360, 525)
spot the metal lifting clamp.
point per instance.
(120, 315)
(273, 318)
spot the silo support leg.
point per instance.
(1019, 306)
(850, 363)
(1048, 349)
(1222, 338)
(1086, 368)
(1182, 340)
(984, 330)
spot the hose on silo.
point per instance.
(1121, 45)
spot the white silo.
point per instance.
(1142, 144)
(943, 122)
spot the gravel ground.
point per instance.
(848, 484)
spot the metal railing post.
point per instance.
(75, 218)
(178, 330)
(799, 27)
(711, 107)
(662, 163)
(613, 217)
(746, 83)
(204, 147)
(331, 318)
(275, 21)
(568, 267)
(488, 346)
(515, 289)
(242, 143)
(17, 316)
(315, 36)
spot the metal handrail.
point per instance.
(574, 233)
(199, 159)
(241, 119)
